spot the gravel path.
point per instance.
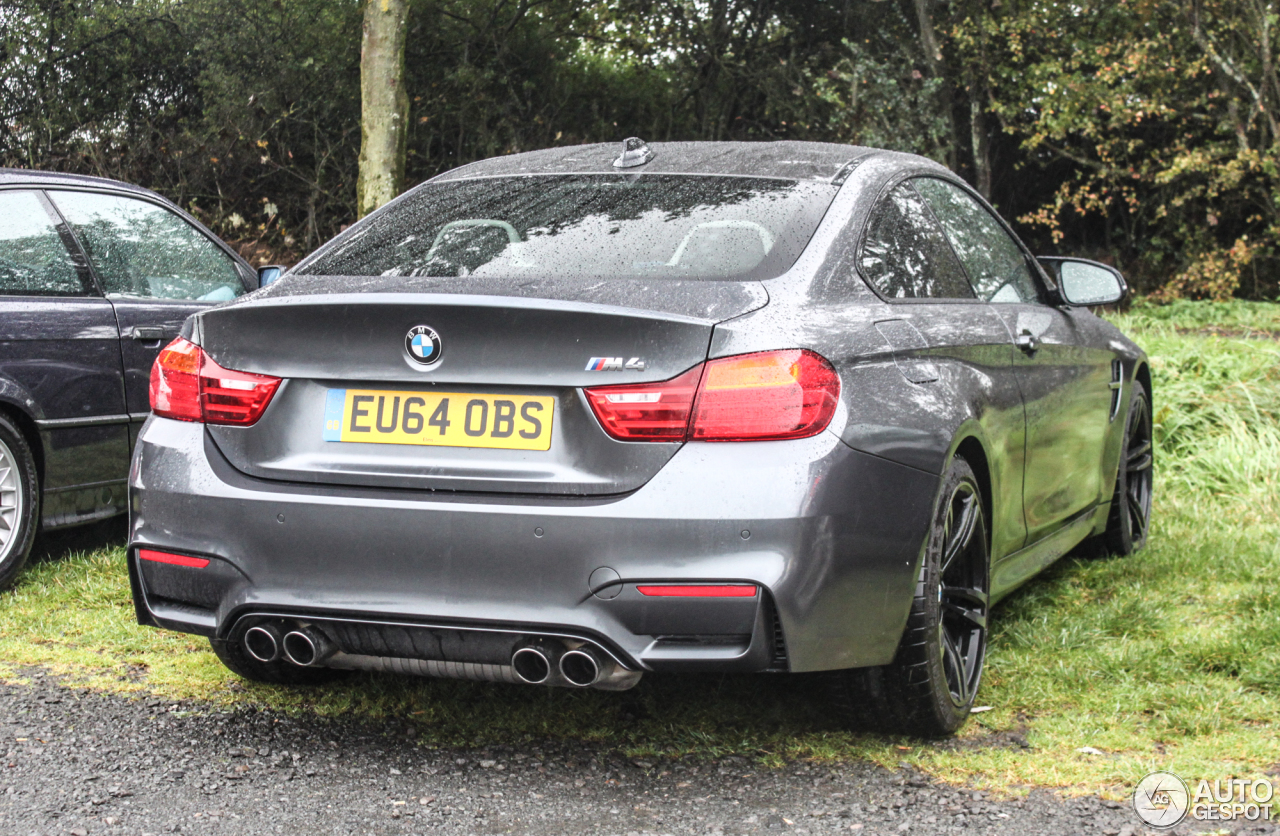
(79, 763)
(75, 762)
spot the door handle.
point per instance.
(147, 334)
(1027, 342)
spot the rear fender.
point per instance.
(17, 402)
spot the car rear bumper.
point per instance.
(830, 536)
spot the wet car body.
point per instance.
(447, 557)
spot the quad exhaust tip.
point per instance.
(306, 647)
(531, 665)
(581, 667)
(263, 642)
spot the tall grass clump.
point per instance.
(1217, 399)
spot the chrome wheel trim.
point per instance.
(1138, 461)
(12, 501)
(963, 595)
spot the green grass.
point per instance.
(1234, 317)
(1168, 659)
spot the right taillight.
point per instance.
(188, 385)
(766, 396)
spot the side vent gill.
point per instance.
(1117, 382)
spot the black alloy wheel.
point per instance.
(931, 684)
(963, 595)
(19, 501)
(1130, 517)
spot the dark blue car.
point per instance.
(95, 276)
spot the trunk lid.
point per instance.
(349, 376)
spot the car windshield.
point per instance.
(615, 226)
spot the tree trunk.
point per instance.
(384, 104)
(932, 50)
(978, 135)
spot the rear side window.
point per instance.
(607, 226)
(33, 259)
(140, 249)
(906, 256)
(994, 261)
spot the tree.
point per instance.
(1146, 132)
(384, 104)
(1159, 121)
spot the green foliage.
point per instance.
(1165, 112)
(1143, 132)
(1166, 659)
(734, 69)
(229, 107)
(91, 84)
(273, 153)
(886, 102)
(488, 78)
(1217, 411)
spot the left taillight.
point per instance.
(188, 385)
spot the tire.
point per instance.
(233, 655)
(1130, 517)
(19, 501)
(929, 688)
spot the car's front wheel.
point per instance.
(931, 684)
(19, 501)
(1131, 504)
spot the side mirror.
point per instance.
(1082, 282)
(268, 274)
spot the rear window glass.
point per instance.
(610, 226)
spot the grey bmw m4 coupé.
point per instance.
(571, 416)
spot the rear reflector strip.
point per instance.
(727, 591)
(174, 559)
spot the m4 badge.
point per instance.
(614, 364)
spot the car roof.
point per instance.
(790, 159)
(42, 179)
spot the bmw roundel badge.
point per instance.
(423, 344)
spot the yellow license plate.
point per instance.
(439, 419)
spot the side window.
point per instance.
(143, 250)
(33, 259)
(994, 261)
(905, 255)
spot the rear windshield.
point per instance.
(606, 226)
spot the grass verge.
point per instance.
(1168, 659)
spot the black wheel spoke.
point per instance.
(961, 536)
(1139, 457)
(1137, 512)
(968, 604)
(973, 662)
(967, 594)
(958, 681)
